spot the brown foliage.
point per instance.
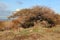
(7, 25)
(27, 17)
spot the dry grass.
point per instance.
(35, 33)
(38, 31)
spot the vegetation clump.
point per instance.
(28, 17)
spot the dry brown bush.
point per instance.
(37, 13)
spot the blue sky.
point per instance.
(10, 5)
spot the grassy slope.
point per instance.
(35, 33)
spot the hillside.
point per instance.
(36, 23)
(36, 33)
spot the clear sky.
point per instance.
(10, 5)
